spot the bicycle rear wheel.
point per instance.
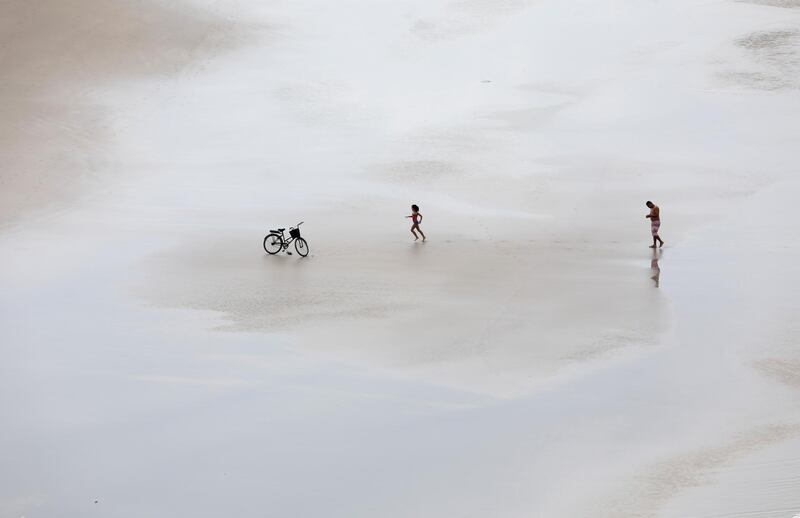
(301, 246)
(273, 244)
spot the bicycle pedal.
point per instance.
(288, 253)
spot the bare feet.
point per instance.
(416, 239)
(651, 246)
(662, 244)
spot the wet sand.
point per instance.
(58, 59)
(534, 358)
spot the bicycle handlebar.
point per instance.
(298, 225)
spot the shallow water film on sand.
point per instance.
(531, 358)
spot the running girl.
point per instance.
(416, 218)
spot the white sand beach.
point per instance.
(533, 358)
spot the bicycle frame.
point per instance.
(287, 242)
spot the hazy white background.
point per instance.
(521, 363)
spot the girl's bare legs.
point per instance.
(420, 231)
(416, 237)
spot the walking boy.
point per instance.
(655, 223)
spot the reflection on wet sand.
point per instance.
(655, 270)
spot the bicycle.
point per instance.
(275, 241)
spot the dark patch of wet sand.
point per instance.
(54, 58)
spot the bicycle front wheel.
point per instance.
(273, 244)
(301, 246)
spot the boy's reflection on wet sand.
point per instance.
(655, 270)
